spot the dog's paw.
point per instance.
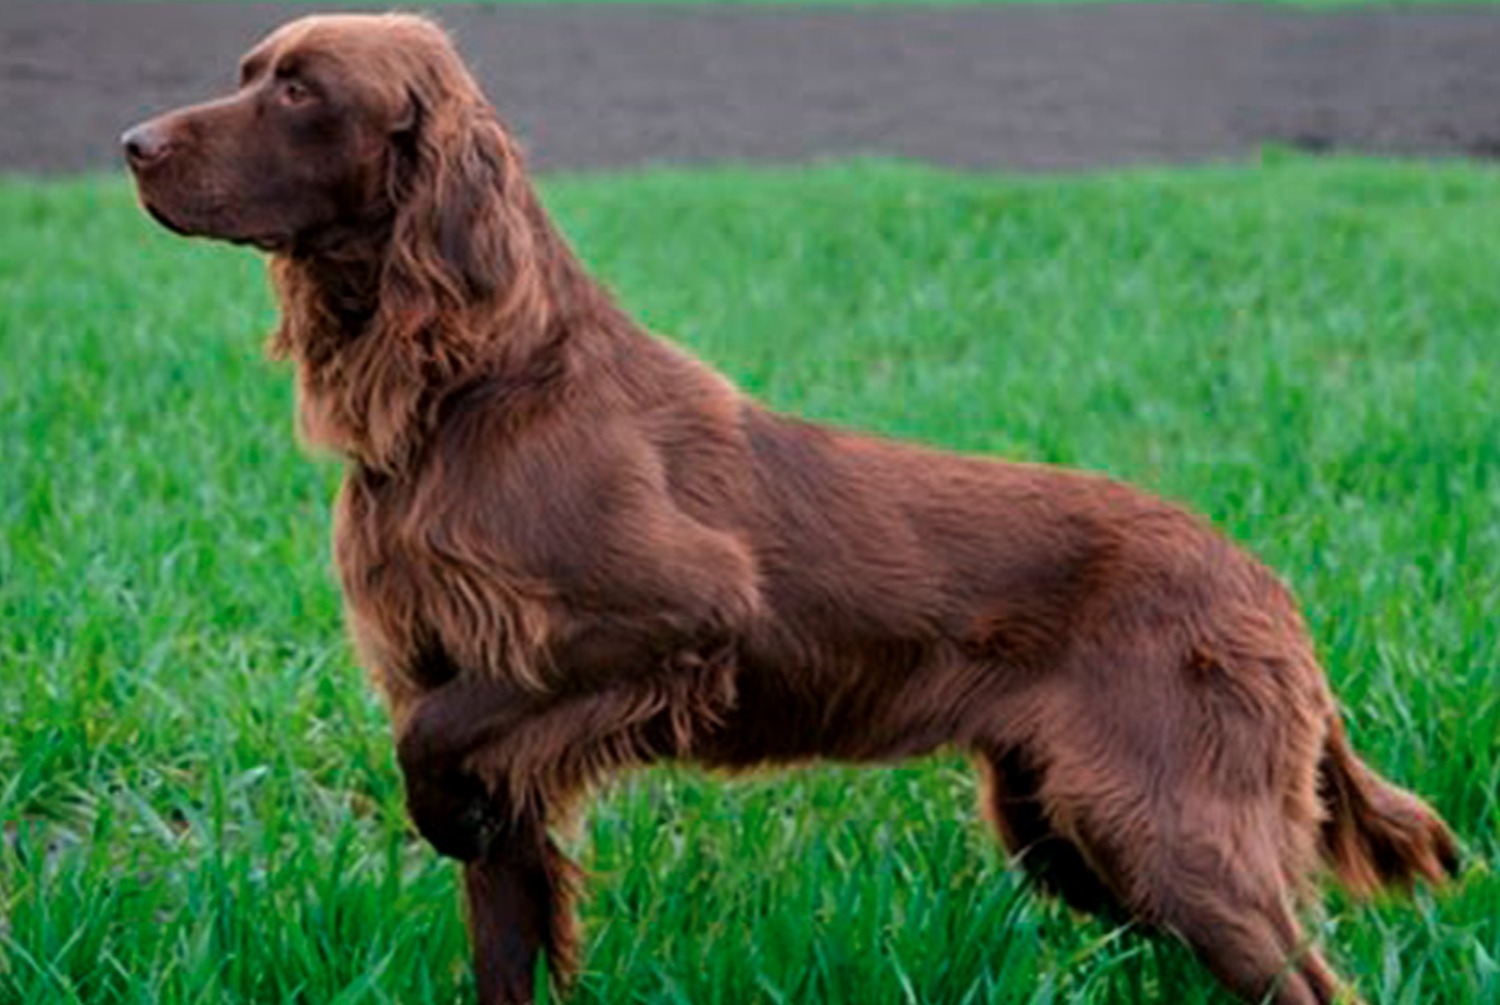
(454, 813)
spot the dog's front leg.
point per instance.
(519, 894)
(450, 806)
(517, 884)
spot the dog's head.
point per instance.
(337, 122)
(361, 152)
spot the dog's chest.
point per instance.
(498, 582)
(423, 599)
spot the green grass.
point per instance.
(198, 798)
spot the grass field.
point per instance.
(198, 796)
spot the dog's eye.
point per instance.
(295, 93)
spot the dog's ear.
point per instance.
(459, 228)
(474, 223)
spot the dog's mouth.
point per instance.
(268, 243)
(263, 242)
(161, 217)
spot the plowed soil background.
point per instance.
(1030, 88)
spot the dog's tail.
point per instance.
(1376, 835)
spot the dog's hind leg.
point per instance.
(1210, 873)
(1248, 942)
(1240, 925)
(1010, 798)
(1109, 806)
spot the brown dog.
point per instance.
(567, 547)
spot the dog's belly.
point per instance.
(885, 701)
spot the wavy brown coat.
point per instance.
(567, 548)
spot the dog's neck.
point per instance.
(371, 386)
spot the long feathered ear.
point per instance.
(464, 229)
(460, 280)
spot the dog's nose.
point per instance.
(144, 144)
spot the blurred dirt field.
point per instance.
(1010, 87)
